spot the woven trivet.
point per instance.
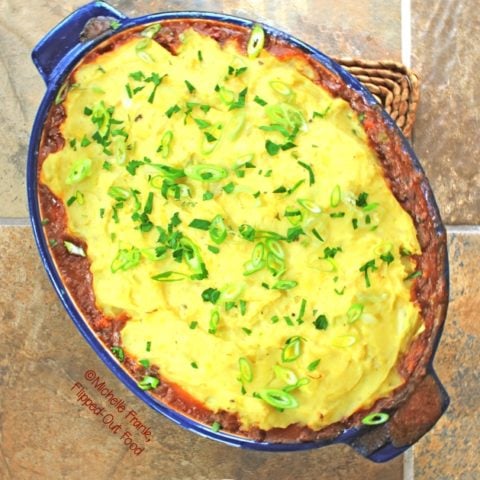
(394, 86)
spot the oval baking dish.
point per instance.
(394, 419)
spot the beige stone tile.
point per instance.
(46, 433)
(450, 450)
(339, 27)
(446, 56)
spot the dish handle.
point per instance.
(413, 419)
(65, 38)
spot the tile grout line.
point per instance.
(408, 464)
(406, 34)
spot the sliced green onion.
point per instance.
(309, 205)
(231, 292)
(140, 50)
(256, 41)
(154, 253)
(246, 370)
(294, 216)
(216, 427)
(284, 285)
(313, 365)
(126, 259)
(292, 349)
(376, 418)
(247, 232)
(206, 173)
(118, 352)
(165, 143)
(354, 312)
(226, 96)
(370, 207)
(80, 170)
(119, 150)
(256, 261)
(148, 382)
(278, 398)
(214, 321)
(344, 341)
(62, 93)
(281, 88)
(193, 258)
(285, 375)
(151, 31)
(118, 193)
(308, 168)
(275, 265)
(299, 383)
(235, 126)
(275, 248)
(218, 230)
(335, 196)
(167, 171)
(170, 276)
(74, 249)
(287, 116)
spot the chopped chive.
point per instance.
(387, 257)
(172, 110)
(193, 325)
(216, 426)
(337, 214)
(272, 148)
(370, 265)
(311, 175)
(211, 295)
(200, 56)
(361, 200)
(413, 275)
(207, 196)
(45, 221)
(301, 313)
(317, 235)
(321, 322)
(194, 364)
(247, 330)
(288, 321)
(260, 101)
(200, 224)
(275, 319)
(281, 189)
(229, 187)
(243, 307)
(190, 87)
(355, 223)
(144, 362)
(52, 242)
(313, 365)
(148, 346)
(213, 249)
(202, 123)
(247, 232)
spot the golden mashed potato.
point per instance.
(234, 211)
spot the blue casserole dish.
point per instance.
(55, 56)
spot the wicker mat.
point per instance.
(393, 85)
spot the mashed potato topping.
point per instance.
(233, 209)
